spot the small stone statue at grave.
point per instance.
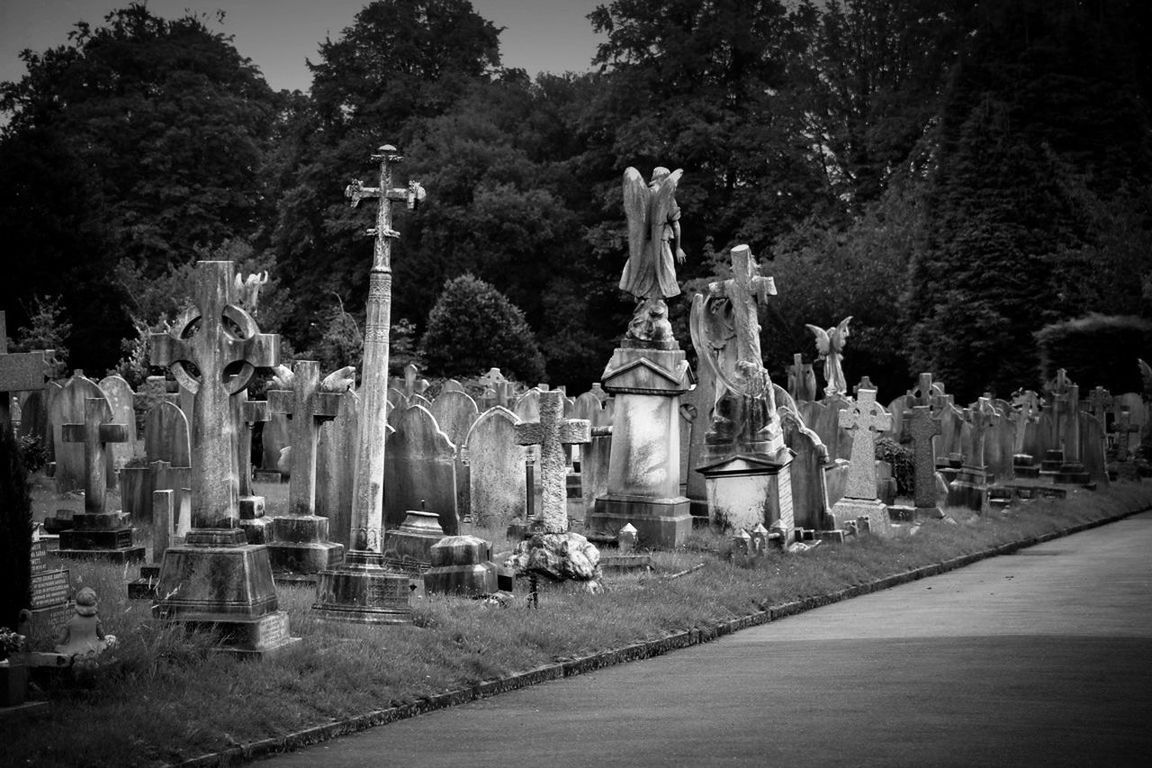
(830, 346)
(248, 291)
(83, 634)
(653, 243)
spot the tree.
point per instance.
(15, 531)
(140, 141)
(474, 327)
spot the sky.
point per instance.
(278, 35)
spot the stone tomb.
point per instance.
(98, 533)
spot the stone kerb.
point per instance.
(497, 482)
(420, 470)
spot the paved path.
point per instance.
(1042, 658)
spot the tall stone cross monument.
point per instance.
(864, 419)
(216, 580)
(361, 590)
(552, 433)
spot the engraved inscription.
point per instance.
(49, 589)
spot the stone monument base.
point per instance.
(969, 489)
(747, 490)
(461, 565)
(849, 510)
(100, 536)
(217, 581)
(361, 591)
(300, 545)
(660, 523)
(409, 547)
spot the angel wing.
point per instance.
(840, 335)
(636, 196)
(823, 343)
(283, 376)
(698, 325)
(663, 201)
(340, 380)
(1146, 374)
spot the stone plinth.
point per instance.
(461, 565)
(100, 536)
(647, 380)
(749, 490)
(361, 591)
(409, 547)
(969, 489)
(218, 582)
(300, 545)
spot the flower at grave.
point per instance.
(10, 642)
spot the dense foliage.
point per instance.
(954, 175)
(15, 530)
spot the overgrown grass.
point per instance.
(163, 696)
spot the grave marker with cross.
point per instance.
(309, 406)
(552, 433)
(252, 412)
(368, 494)
(864, 419)
(1100, 400)
(745, 290)
(225, 346)
(983, 420)
(922, 427)
(19, 372)
(95, 433)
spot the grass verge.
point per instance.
(162, 696)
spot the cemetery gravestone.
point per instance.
(215, 580)
(865, 419)
(21, 372)
(923, 428)
(809, 463)
(455, 413)
(498, 486)
(551, 433)
(68, 408)
(121, 400)
(50, 594)
(335, 465)
(420, 470)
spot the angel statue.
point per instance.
(830, 345)
(653, 242)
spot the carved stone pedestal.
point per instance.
(256, 527)
(361, 591)
(409, 547)
(461, 565)
(970, 489)
(219, 582)
(300, 545)
(100, 536)
(644, 471)
(749, 490)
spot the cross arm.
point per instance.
(529, 434)
(281, 401)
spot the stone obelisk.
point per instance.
(361, 590)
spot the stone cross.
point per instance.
(864, 419)
(922, 394)
(922, 427)
(865, 383)
(309, 408)
(745, 290)
(217, 337)
(368, 487)
(552, 433)
(1027, 404)
(96, 432)
(19, 372)
(1061, 383)
(1100, 400)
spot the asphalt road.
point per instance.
(1042, 658)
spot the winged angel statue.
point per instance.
(653, 243)
(830, 345)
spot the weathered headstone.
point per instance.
(455, 411)
(50, 593)
(809, 485)
(68, 408)
(300, 538)
(551, 433)
(98, 533)
(922, 427)
(498, 485)
(166, 435)
(121, 400)
(595, 456)
(801, 379)
(335, 464)
(19, 372)
(451, 385)
(420, 470)
(216, 580)
(865, 419)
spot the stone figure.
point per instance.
(83, 634)
(830, 346)
(248, 291)
(653, 245)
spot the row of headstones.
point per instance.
(44, 414)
